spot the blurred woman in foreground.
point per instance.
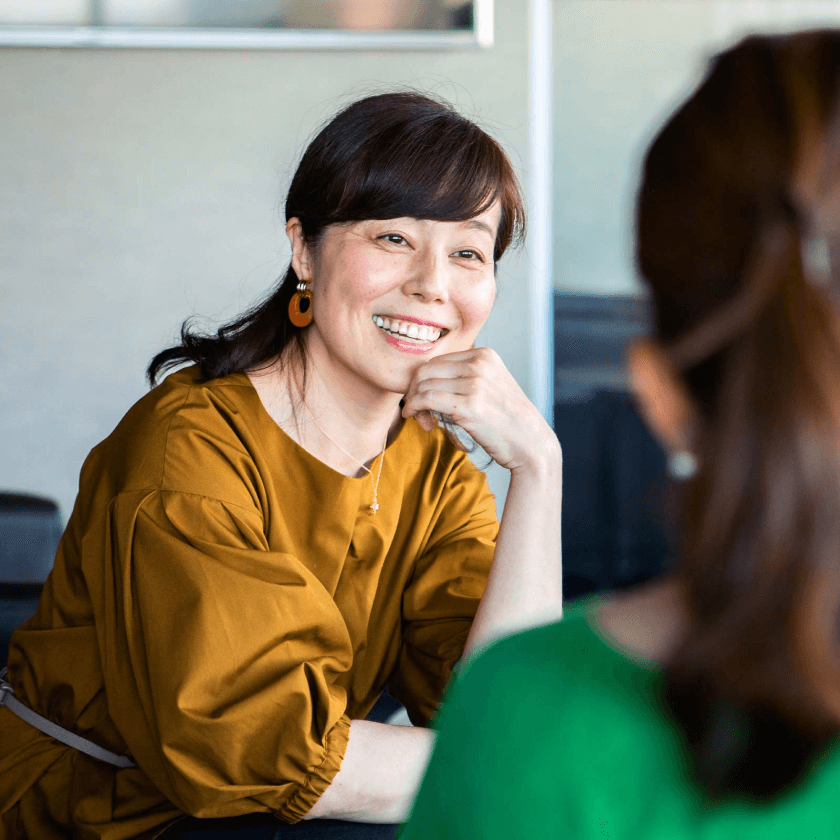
(708, 703)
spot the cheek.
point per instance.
(476, 309)
(366, 278)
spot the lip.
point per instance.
(417, 349)
(414, 321)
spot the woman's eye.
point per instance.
(468, 254)
(395, 238)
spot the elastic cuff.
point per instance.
(319, 779)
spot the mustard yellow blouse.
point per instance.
(222, 605)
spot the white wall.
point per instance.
(620, 67)
(138, 187)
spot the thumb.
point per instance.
(425, 419)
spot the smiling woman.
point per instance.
(396, 189)
(279, 531)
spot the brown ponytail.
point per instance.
(722, 218)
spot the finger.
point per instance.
(449, 372)
(425, 419)
(460, 355)
(462, 385)
(474, 363)
(441, 401)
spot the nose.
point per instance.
(429, 278)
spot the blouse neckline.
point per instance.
(304, 453)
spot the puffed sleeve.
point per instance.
(220, 657)
(443, 593)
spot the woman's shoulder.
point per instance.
(565, 663)
(573, 636)
(185, 393)
(177, 435)
(572, 729)
(184, 401)
(553, 709)
(186, 390)
(634, 630)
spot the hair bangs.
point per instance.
(442, 167)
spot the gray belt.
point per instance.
(54, 730)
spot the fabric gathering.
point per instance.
(182, 525)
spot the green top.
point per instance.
(554, 733)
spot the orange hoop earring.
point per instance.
(300, 306)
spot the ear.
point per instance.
(661, 397)
(302, 261)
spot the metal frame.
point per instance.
(540, 190)
(253, 39)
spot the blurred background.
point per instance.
(142, 186)
(297, 14)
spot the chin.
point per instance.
(395, 382)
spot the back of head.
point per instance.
(733, 192)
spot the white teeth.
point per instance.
(408, 329)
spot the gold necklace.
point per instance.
(375, 506)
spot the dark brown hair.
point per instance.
(388, 156)
(726, 207)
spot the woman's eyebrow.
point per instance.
(479, 225)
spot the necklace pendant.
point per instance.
(374, 507)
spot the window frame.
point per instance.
(85, 37)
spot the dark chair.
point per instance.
(615, 533)
(385, 709)
(30, 529)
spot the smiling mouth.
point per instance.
(409, 331)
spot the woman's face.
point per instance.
(390, 294)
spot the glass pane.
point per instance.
(201, 13)
(295, 14)
(619, 69)
(45, 12)
(386, 14)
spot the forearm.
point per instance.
(524, 588)
(379, 775)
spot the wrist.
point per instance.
(546, 461)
